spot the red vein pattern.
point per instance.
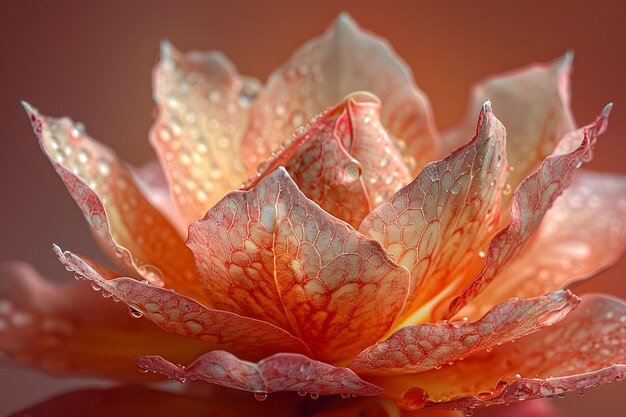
(325, 70)
(437, 225)
(185, 317)
(281, 372)
(531, 201)
(337, 160)
(272, 254)
(417, 348)
(131, 230)
(203, 113)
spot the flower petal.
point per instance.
(127, 226)
(437, 225)
(139, 401)
(281, 372)
(183, 316)
(583, 233)
(272, 254)
(583, 351)
(338, 160)
(322, 73)
(417, 348)
(203, 112)
(534, 105)
(69, 329)
(531, 201)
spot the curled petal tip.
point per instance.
(487, 106)
(568, 58)
(30, 110)
(607, 110)
(363, 97)
(166, 48)
(344, 20)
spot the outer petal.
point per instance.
(583, 351)
(534, 105)
(437, 225)
(272, 254)
(130, 229)
(583, 233)
(185, 317)
(417, 348)
(532, 200)
(137, 401)
(324, 71)
(70, 329)
(344, 160)
(203, 104)
(281, 372)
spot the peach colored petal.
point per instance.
(321, 73)
(152, 183)
(437, 225)
(534, 105)
(183, 316)
(127, 401)
(531, 201)
(272, 254)
(69, 329)
(417, 348)
(127, 226)
(536, 408)
(203, 112)
(280, 372)
(583, 351)
(583, 233)
(344, 160)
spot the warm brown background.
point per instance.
(93, 62)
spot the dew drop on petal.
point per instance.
(314, 396)
(260, 396)
(136, 314)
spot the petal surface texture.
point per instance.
(281, 372)
(325, 70)
(343, 160)
(532, 200)
(534, 105)
(582, 351)
(417, 348)
(203, 112)
(185, 317)
(583, 233)
(273, 254)
(69, 329)
(130, 229)
(437, 225)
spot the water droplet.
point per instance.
(136, 314)
(260, 396)
(314, 396)
(345, 396)
(482, 254)
(581, 393)
(507, 189)
(469, 412)
(353, 170)
(413, 399)
(302, 393)
(142, 369)
(95, 286)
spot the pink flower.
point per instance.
(366, 254)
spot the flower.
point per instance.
(366, 254)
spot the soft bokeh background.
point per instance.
(93, 61)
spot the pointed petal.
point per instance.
(281, 372)
(417, 348)
(321, 73)
(128, 227)
(272, 254)
(437, 225)
(138, 401)
(69, 329)
(531, 201)
(185, 317)
(582, 234)
(583, 351)
(343, 160)
(203, 112)
(534, 105)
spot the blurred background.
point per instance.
(92, 61)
